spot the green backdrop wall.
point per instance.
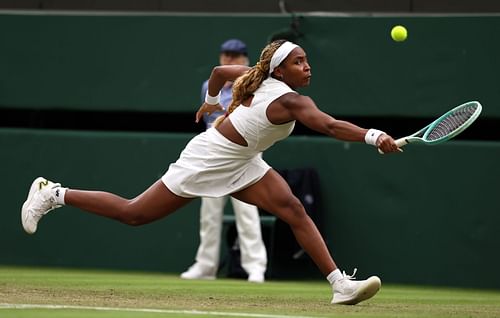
(156, 62)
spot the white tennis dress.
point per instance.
(213, 166)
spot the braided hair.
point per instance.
(247, 84)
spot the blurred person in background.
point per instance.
(253, 250)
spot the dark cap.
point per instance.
(234, 46)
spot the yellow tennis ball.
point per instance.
(399, 33)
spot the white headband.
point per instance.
(281, 54)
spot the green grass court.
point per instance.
(37, 292)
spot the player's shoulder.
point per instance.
(294, 99)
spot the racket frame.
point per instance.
(424, 132)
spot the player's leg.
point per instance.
(154, 203)
(273, 194)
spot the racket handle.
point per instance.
(399, 142)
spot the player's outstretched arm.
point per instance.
(303, 109)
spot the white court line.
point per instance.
(146, 310)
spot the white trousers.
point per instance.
(253, 251)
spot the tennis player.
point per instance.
(224, 160)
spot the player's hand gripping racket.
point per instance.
(445, 127)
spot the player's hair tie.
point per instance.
(280, 54)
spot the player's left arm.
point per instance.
(223, 73)
(220, 75)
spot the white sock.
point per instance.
(334, 276)
(60, 193)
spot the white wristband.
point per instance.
(211, 100)
(372, 135)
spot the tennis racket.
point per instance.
(445, 127)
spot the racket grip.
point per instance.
(399, 142)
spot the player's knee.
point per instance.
(295, 211)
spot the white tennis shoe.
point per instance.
(41, 199)
(347, 291)
(198, 271)
(256, 277)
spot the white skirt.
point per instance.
(213, 166)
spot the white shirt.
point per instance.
(252, 122)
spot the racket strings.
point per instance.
(451, 123)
